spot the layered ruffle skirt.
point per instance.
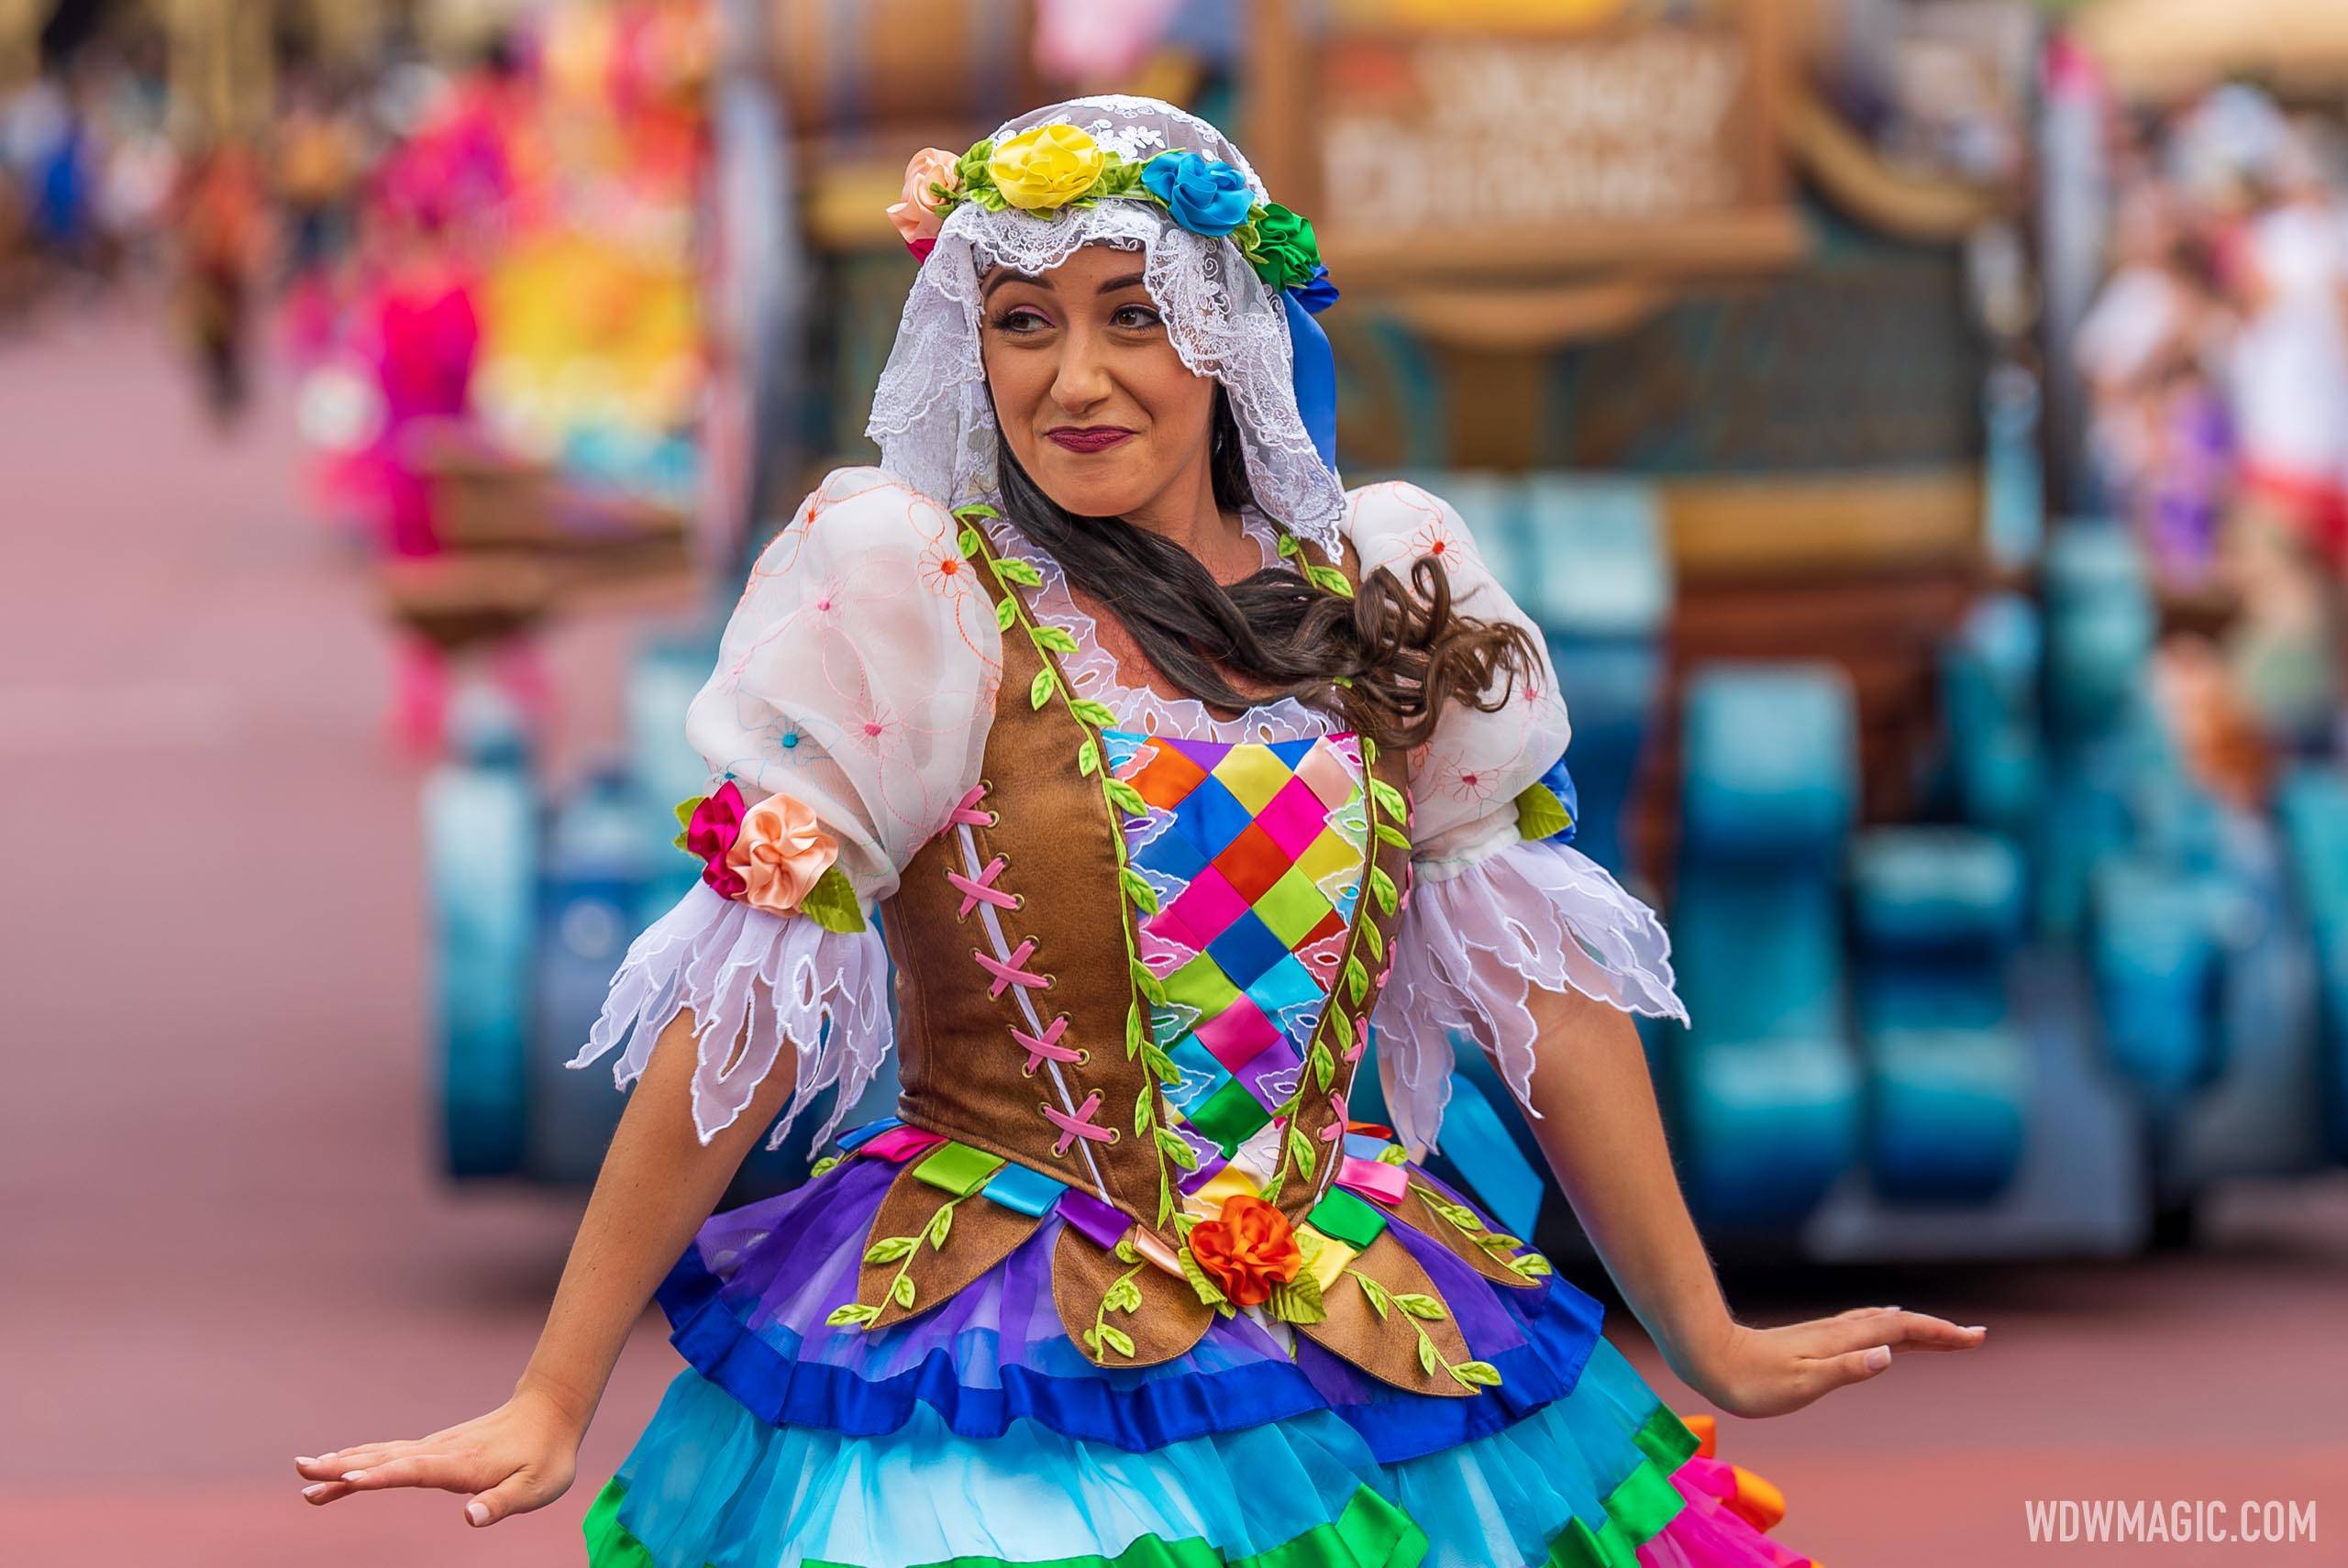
(978, 1434)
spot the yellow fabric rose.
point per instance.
(1047, 166)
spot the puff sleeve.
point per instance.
(1494, 910)
(853, 692)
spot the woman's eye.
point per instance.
(1018, 320)
(1134, 316)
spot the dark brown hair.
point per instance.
(1388, 658)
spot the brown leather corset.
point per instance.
(1031, 1030)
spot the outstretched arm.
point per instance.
(658, 1183)
(1604, 1135)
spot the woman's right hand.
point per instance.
(518, 1457)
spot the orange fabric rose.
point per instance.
(779, 853)
(1248, 1251)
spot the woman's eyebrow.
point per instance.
(1113, 284)
(1005, 275)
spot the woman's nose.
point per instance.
(1082, 379)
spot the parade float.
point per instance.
(1740, 397)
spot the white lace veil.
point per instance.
(930, 413)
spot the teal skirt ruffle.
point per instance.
(1606, 1477)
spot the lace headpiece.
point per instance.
(1236, 276)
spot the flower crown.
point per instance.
(1048, 169)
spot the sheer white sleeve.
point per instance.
(1492, 913)
(857, 677)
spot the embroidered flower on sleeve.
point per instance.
(1248, 1250)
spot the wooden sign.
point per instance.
(1563, 138)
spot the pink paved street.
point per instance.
(224, 1244)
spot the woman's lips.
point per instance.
(1091, 438)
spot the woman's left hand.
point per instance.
(1767, 1372)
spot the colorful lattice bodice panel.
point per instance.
(1255, 852)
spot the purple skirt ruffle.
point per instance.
(747, 1304)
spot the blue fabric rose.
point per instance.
(1206, 195)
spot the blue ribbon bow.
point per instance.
(1315, 368)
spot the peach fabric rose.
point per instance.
(916, 213)
(779, 853)
(1246, 1251)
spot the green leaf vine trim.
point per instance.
(1501, 1246)
(1419, 1310)
(1388, 813)
(1123, 1296)
(900, 1251)
(1121, 799)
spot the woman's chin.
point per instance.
(1095, 485)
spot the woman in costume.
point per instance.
(1169, 774)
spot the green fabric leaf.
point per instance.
(1170, 1145)
(1477, 1374)
(889, 1248)
(941, 1225)
(1126, 799)
(1325, 1065)
(1288, 545)
(855, 1314)
(976, 509)
(1298, 1300)
(831, 903)
(1013, 569)
(1372, 939)
(1389, 800)
(1368, 752)
(1141, 1115)
(1389, 833)
(1054, 639)
(1382, 888)
(1095, 713)
(1087, 757)
(1421, 1305)
(1206, 1288)
(1357, 980)
(1123, 1297)
(1006, 611)
(1137, 1032)
(972, 548)
(1299, 1152)
(900, 1290)
(1372, 1290)
(1117, 1340)
(1428, 1357)
(685, 810)
(1539, 813)
(1393, 1154)
(1039, 691)
(1137, 890)
(823, 1167)
(1149, 984)
(1330, 580)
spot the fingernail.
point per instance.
(1977, 1328)
(314, 1491)
(478, 1512)
(1878, 1358)
(354, 1475)
(303, 1459)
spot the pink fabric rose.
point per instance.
(916, 215)
(709, 837)
(779, 853)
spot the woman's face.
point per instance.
(1095, 404)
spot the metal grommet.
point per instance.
(1083, 1056)
(1050, 981)
(1018, 901)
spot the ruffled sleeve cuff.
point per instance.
(1475, 940)
(756, 981)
